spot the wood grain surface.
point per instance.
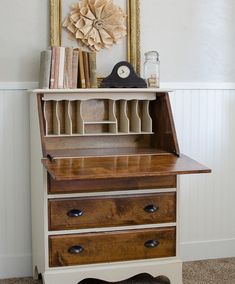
(114, 184)
(111, 246)
(163, 124)
(105, 211)
(121, 167)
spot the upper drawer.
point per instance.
(110, 211)
(66, 250)
(114, 184)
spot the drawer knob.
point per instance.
(151, 208)
(75, 249)
(151, 244)
(75, 213)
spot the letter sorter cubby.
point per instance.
(105, 188)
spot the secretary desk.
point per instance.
(105, 188)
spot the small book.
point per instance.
(75, 68)
(81, 71)
(92, 69)
(68, 68)
(45, 69)
(61, 68)
(56, 66)
(86, 69)
(54, 56)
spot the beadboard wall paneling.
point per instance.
(205, 122)
(15, 223)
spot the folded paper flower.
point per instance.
(97, 24)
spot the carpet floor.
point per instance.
(218, 271)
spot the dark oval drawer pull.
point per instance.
(151, 244)
(76, 249)
(75, 213)
(151, 208)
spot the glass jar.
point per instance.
(152, 69)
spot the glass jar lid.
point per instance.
(152, 55)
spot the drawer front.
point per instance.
(56, 187)
(108, 211)
(66, 250)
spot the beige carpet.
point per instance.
(221, 271)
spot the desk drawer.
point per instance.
(114, 184)
(66, 250)
(110, 211)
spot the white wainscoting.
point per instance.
(205, 121)
(15, 223)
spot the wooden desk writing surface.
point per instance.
(121, 167)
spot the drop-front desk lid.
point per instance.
(86, 168)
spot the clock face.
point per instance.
(123, 71)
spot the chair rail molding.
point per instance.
(199, 85)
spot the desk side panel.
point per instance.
(37, 191)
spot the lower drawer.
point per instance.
(66, 250)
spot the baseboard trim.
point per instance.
(15, 266)
(171, 85)
(191, 251)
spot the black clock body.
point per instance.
(123, 76)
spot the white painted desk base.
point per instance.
(116, 271)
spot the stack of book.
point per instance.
(67, 68)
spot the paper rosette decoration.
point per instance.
(96, 23)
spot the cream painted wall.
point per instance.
(23, 33)
(195, 39)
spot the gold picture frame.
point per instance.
(133, 41)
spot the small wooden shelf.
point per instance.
(102, 152)
(100, 122)
(99, 134)
(102, 90)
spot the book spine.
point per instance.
(61, 68)
(86, 69)
(56, 67)
(81, 71)
(75, 69)
(45, 69)
(52, 77)
(68, 68)
(92, 68)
